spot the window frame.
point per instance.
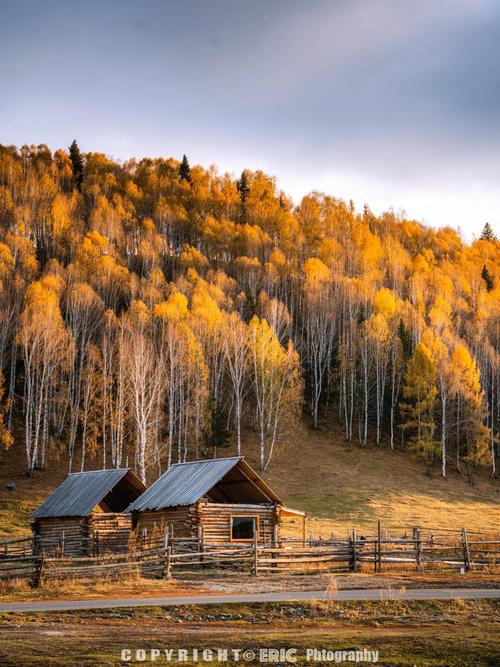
(255, 517)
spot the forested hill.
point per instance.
(152, 312)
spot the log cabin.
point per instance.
(87, 511)
(215, 501)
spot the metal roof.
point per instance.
(80, 493)
(186, 483)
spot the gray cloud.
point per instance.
(397, 97)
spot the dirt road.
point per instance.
(282, 596)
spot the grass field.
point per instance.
(404, 633)
(342, 485)
(339, 484)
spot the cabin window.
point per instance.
(243, 528)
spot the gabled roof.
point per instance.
(80, 492)
(222, 480)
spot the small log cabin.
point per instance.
(214, 500)
(88, 508)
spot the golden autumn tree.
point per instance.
(319, 330)
(186, 378)
(276, 384)
(6, 438)
(468, 386)
(145, 377)
(47, 349)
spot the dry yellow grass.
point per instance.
(104, 587)
(339, 484)
(343, 486)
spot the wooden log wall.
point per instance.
(155, 523)
(73, 530)
(216, 521)
(110, 532)
(80, 536)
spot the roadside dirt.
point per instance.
(234, 583)
(403, 632)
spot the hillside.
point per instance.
(153, 312)
(340, 489)
(325, 477)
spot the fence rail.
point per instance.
(24, 559)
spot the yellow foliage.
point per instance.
(174, 309)
(385, 303)
(192, 257)
(315, 272)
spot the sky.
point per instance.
(392, 103)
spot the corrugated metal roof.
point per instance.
(186, 483)
(80, 493)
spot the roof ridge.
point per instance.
(223, 458)
(85, 472)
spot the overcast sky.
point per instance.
(395, 103)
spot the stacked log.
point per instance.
(216, 520)
(158, 522)
(110, 532)
(69, 533)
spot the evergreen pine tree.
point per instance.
(185, 170)
(420, 392)
(488, 234)
(486, 276)
(250, 307)
(243, 187)
(405, 338)
(78, 164)
(244, 190)
(218, 435)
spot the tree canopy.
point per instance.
(152, 311)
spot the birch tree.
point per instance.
(276, 385)
(46, 349)
(145, 375)
(237, 353)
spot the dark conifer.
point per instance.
(486, 276)
(78, 164)
(243, 187)
(488, 234)
(185, 170)
(218, 435)
(404, 337)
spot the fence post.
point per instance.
(201, 541)
(167, 567)
(418, 548)
(354, 562)
(379, 546)
(166, 564)
(255, 557)
(39, 574)
(465, 544)
(61, 545)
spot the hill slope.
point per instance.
(322, 475)
(341, 488)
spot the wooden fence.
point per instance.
(395, 550)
